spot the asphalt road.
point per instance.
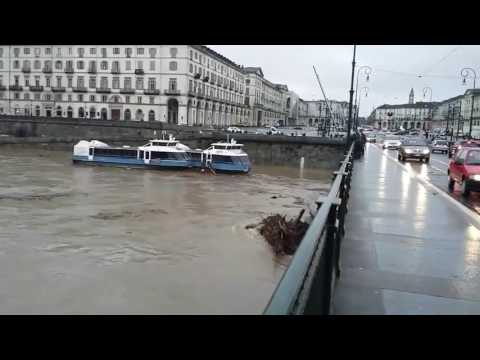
(436, 173)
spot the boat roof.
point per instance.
(226, 144)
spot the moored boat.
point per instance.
(222, 157)
(156, 154)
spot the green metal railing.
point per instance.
(308, 283)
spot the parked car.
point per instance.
(414, 149)
(464, 170)
(391, 142)
(460, 144)
(234, 129)
(440, 146)
(271, 130)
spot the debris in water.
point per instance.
(283, 235)
(274, 197)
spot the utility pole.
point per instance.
(448, 118)
(351, 99)
(465, 73)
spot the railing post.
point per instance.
(329, 259)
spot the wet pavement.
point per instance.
(106, 240)
(410, 247)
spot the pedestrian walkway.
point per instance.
(407, 249)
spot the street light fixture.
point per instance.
(465, 73)
(367, 70)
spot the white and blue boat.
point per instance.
(157, 154)
(222, 157)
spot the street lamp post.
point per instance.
(367, 70)
(465, 73)
(351, 99)
(358, 107)
(425, 90)
(448, 118)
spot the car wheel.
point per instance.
(451, 183)
(465, 189)
(427, 160)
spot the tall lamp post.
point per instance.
(448, 118)
(425, 91)
(465, 73)
(351, 99)
(367, 70)
(357, 108)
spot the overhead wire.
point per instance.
(441, 60)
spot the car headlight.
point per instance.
(474, 177)
(408, 151)
(426, 151)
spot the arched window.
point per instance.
(70, 112)
(139, 115)
(104, 114)
(151, 115)
(128, 114)
(81, 112)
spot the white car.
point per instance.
(391, 142)
(234, 129)
(271, 130)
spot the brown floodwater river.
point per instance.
(108, 240)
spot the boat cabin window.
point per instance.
(161, 155)
(116, 152)
(195, 155)
(164, 143)
(90, 151)
(222, 158)
(227, 147)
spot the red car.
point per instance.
(464, 170)
(462, 144)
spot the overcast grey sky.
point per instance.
(395, 69)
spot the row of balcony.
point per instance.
(90, 71)
(83, 89)
(192, 93)
(137, 72)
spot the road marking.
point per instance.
(470, 213)
(441, 162)
(434, 167)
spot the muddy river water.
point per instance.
(103, 240)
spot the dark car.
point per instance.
(460, 144)
(414, 149)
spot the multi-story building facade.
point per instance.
(180, 84)
(317, 113)
(263, 98)
(446, 112)
(405, 116)
(469, 113)
(292, 107)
